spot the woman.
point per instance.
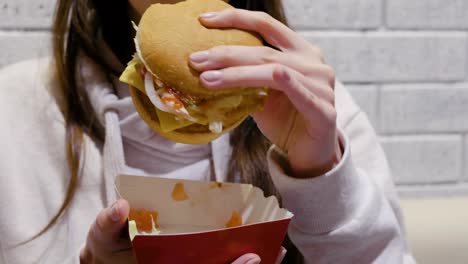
(65, 139)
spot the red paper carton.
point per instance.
(203, 222)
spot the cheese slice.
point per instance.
(170, 122)
(131, 75)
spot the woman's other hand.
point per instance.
(105, 243)
(255, 259)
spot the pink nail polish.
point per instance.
(212, 76)
(254, 261)
(208, 15)
(199, 57)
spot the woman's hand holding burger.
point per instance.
(299, 115)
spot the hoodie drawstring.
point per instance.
(114, 160)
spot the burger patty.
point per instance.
(230, 117)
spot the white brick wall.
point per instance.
(424, 108)
(24, 29)
(17, 45)
(335, 14)
(394, 56)
(367, 98)
(405, 62)
(438, 158)
(427, 14)
(29, 14)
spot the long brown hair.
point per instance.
(76, 26)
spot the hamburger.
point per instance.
(167, 92)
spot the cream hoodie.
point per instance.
(349, 215)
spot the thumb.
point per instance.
(105, 231)
(111, 220)
(248, 259)
(281, 255)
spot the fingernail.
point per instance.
(284, 75)
(283, 252)
(114, 212)
(254, 261)
(199, 57)
(208, 15)
(281, 255)
(212, 76)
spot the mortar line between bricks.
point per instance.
(432, 184)
(377, 108)
(383, 22)
(403, 82)
(24, 29)
(377, 29)
(420, 134)
(451, 190)
(439, 82)
(302, 29)
(341, 33)
(463, 160)
(425, 184)
(466, 63)
(434, 29)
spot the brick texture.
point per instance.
(32, 14)
(366, 96)
(405, 62)
(427, 14)
(425, 159)
(333, 14)
(465, 161)
(395, 57)
(429, 108)
(18, 46)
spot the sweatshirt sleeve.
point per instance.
(351, 214)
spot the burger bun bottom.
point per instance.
(195, 134)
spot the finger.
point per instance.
(308, 103)
(321, 88)
(85, 255)
(275, 76)
(281, 255)
(105, 232)
(121, 257)
(234, 56)
(229, 56)
(248, 259)
(272, 30)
